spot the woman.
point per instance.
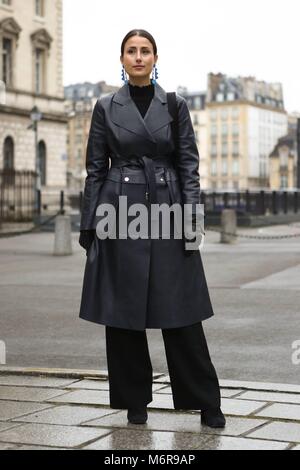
(131, 284)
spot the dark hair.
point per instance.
(139, 32)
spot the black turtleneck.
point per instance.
(142, 96)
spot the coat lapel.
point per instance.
(124, 112)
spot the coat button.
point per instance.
(126, 178)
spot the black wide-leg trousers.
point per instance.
(193, 378)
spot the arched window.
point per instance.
(43, 162)
(8, 154)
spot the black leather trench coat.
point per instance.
(141, 283)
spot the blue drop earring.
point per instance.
(123, 75)
(154, 74)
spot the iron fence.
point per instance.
(252, 202)
(17, 195)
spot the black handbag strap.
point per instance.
(173, 110)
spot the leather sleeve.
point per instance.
(97, 165)
(188, 156)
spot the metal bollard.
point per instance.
(228, 225)
(63, 238)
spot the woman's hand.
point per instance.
(86, 239)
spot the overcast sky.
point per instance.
(194, 37)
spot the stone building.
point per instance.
(79, 104)
(245, 119)
(284, 158)
(31, 69)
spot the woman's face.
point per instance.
(138, 51)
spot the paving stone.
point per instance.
(91, 397)
(90, 385)
(271, 396)
(281, 411)
(7, 425)
(66, 415)
(163, 389)
(47, 435)
(164, 378)
(7, 446)
(162, 401)
(239, 443)
(233, 406)
(181, 422)
(130, 439)
(229, 392)
(35, 381)
(159, 387)
(224, 392)
(264, 386)
(13, 409)
(289, 432)
(41, 448)
(28, 393)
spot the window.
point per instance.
(235, 129)
(224, 129)
(224, 114)
(235, 148)
(41, 42)
(235, 112)
(224, 167)
(195, 120)
(8, 154)
(213, 149)
(213, 115)
(197, 102)
(9, 34)
(213, 130)
(39, 7)
(224, 149)
(42, 162)
(235, 166)
(213, 167)
(7, 61)
(283, 155)
(39, 70)
(283, 181)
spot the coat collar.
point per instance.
(126, 114)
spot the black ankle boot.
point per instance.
(137, 415)
(213, 417)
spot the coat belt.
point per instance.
(148, 165)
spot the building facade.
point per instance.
(284, 158)
(80, 100)
(31, 71)
(245, 119)
(196, 102)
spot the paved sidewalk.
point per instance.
(69, 409)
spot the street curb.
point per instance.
(158, 377)
(62, 373)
